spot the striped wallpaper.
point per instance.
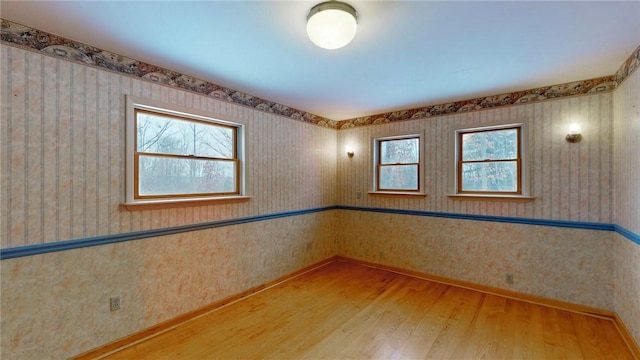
(626, 163)
(570, 182)
(62, 176)
(65, 125)
(63, 154)
(626, 183)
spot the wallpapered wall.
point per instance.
(573, 265)
(626, 160)
(572, 182)
(55, 305)
(62, 178)
(63, 128)
(569, 182)
(626, 183)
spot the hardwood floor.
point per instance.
(349, 311)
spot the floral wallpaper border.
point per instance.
(515, 98)
(607, 83)
(36, 40)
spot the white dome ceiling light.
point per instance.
(332, 24)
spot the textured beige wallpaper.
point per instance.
(572, 265)
(63, 175)
(56, 305)
(627, 201)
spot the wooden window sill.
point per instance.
(174, 203)
(482, 197)
(397, 193)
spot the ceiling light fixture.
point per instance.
(332, 24)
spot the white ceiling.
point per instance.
(406, 54)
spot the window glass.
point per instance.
(158, 133)
(492, 145)
(489, 161)
(403, 151)
(182, 156)
(399, 177)
(397, 166)
(168, 175)
(490, 176)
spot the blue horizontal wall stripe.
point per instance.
(513, 220)
(628, 234)
(38, 249)
(111, 239)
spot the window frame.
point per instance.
(517, 159)
(376, 164)
(522, 168)
(135, 201)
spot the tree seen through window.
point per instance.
(177, 156)
(489, 161)
(398, 165)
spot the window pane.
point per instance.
(490, 176)
(175, 176)
(399, 177)
(490, 145)
(403, 151)
(167, 135)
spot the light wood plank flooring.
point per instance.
(349, 311)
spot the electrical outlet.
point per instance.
(114, 303)
(309, 246)
(508, 278)
(358, 195)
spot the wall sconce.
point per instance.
(574, 135)
(350, 152)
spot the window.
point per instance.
(398, 164)
(490, 161)
(178, 155)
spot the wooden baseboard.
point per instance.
(626, 335)
(562, 305)
(142, 335)
(172, 323)
(489, 290)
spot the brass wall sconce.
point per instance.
(350, 151)
(574, 134)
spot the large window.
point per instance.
(398, 164)
(489, 160)
(178, 155)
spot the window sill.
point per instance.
(397, 193)
(482, 197)
(175, 203)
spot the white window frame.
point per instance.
(375, 156)
(525, 194)
(134, 103)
